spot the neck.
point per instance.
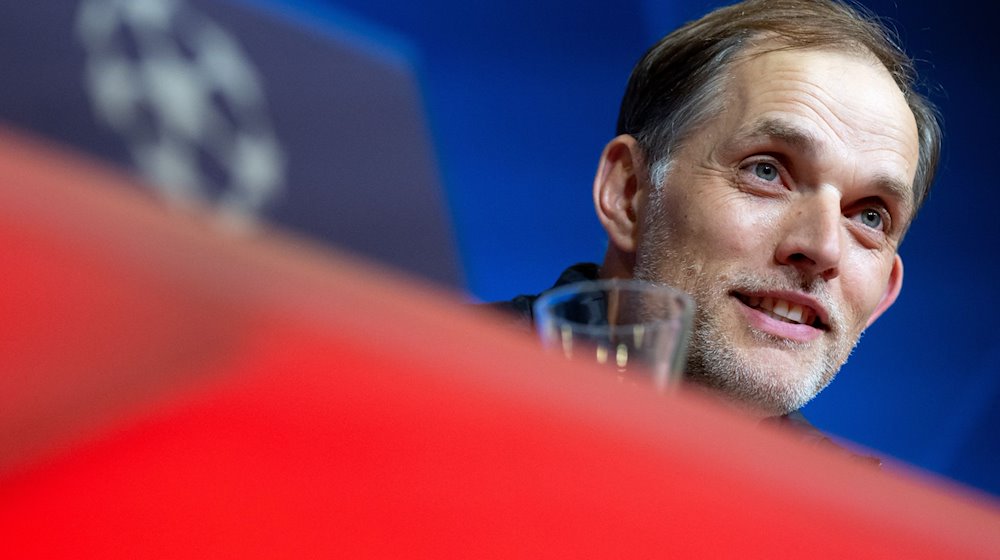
(740, 407)
(617, 264)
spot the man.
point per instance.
(769, 159)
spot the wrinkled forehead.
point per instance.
(837, 99)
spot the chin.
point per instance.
(774, 377)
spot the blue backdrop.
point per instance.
(522, 95)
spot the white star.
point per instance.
(256, 165)
(220, 58)
(116, 90)
(171, 166)
(149, 13)
(178, 94)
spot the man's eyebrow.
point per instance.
(778, 130)
(894, 189)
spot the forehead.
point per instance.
(840, 105)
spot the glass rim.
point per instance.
(627, 284)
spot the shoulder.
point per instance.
(811, 434)
(521, 307)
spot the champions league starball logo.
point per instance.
(181, 92)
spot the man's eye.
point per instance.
(871, 218)
(765, 171)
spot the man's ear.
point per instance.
(892, 290)
(618, 188)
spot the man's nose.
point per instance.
(812, 235)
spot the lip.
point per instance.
(791, 331)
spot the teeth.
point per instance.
(782, 309)
(794, 314)
(808, 316)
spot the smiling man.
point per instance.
(769, 158)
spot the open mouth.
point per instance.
(783, 310)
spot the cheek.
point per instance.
(723, 226)
(864, 282)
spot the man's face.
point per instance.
(781, 217)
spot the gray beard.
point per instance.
(716, 362)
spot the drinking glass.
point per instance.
(639, 329)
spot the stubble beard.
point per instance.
(720, 361)
(716, 360)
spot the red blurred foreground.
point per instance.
(171, 390)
